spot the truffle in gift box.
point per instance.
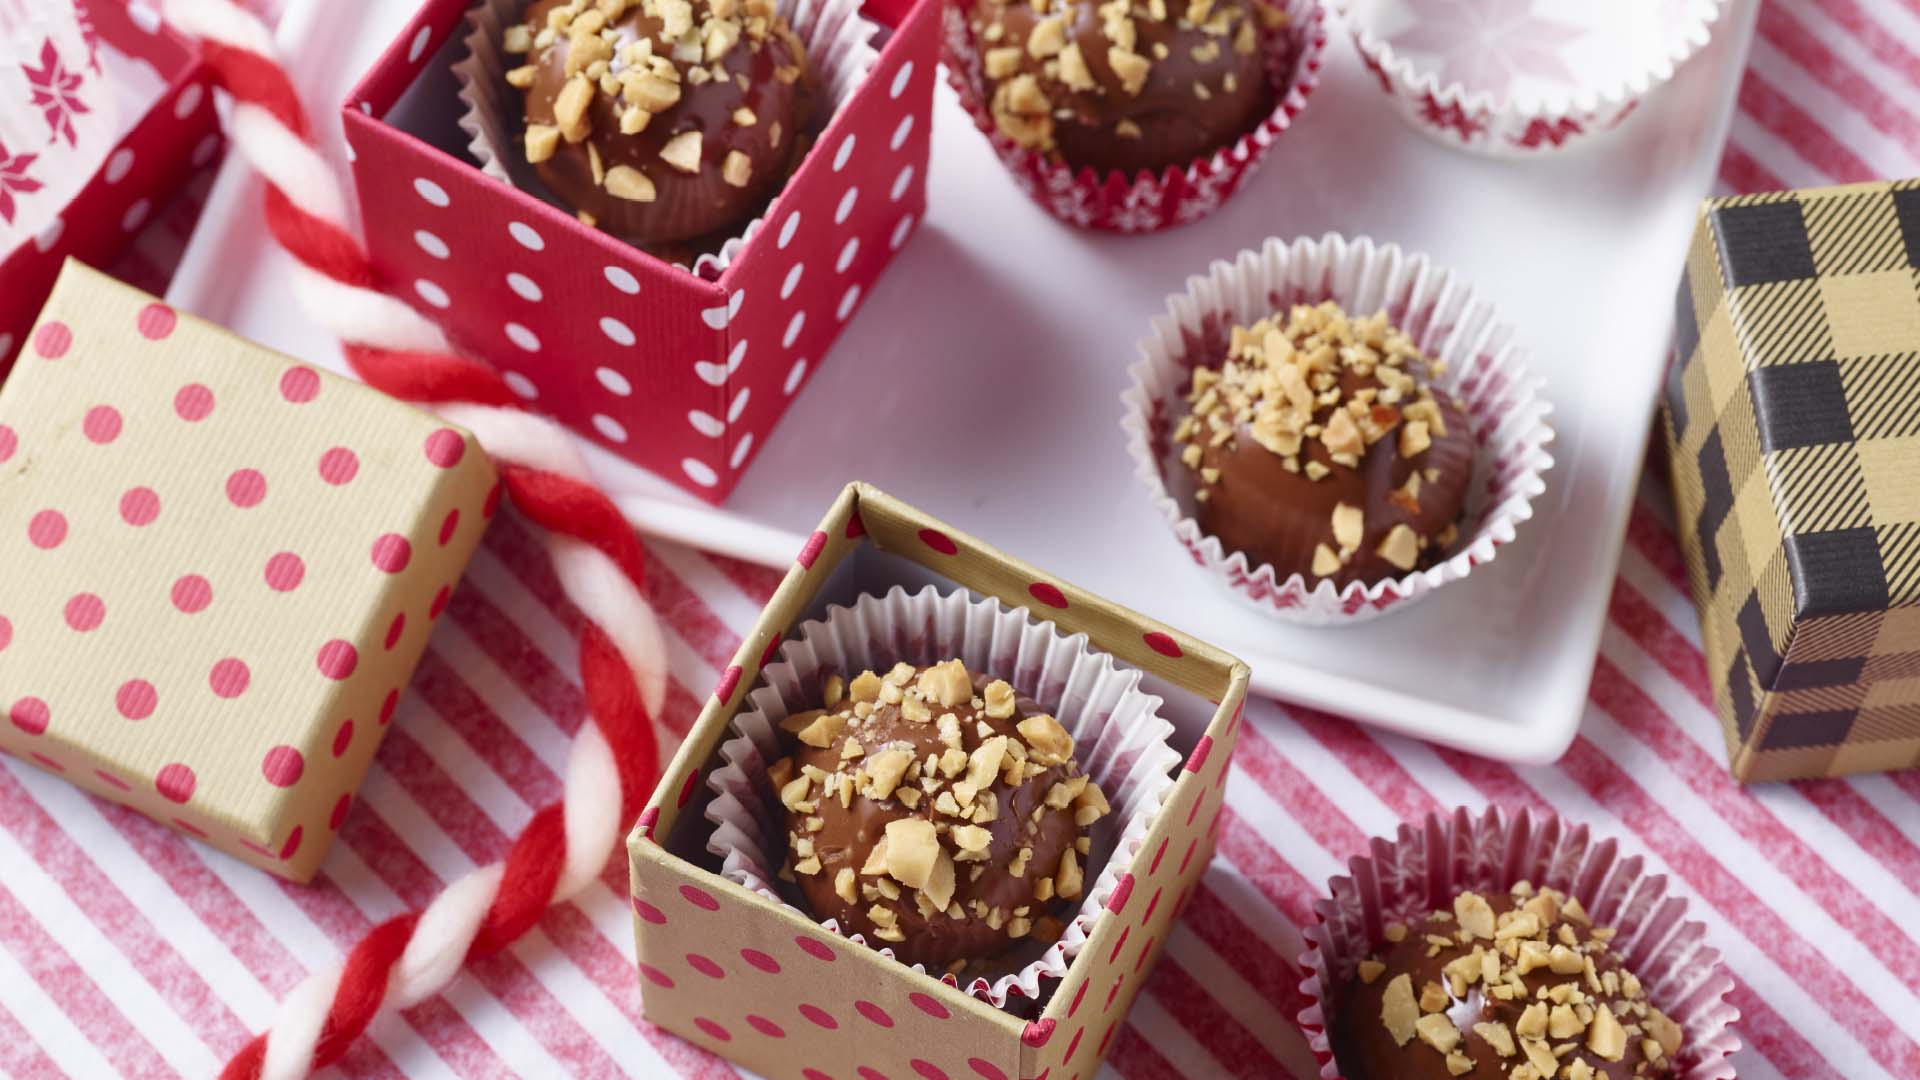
(927, 831)
(1793, 424)
(222, 566)
(780, 148)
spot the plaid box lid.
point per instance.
(1793, 424)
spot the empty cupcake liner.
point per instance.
(1146, 203)
(59, 115)
(1120, 740)
(839, 43)
(1485, 372)
(1424, 867)
(1523, 77)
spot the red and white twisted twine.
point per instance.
(614, 761)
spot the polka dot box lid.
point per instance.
(764, 986)
(221, 568)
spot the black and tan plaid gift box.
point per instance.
(1793, 427)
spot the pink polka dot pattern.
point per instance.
(387, 706)
(339, 465)
(392, 552)
(6, 633)
(47, 530)
(986, 1069)
(705, 966)
(31, 715)
(449, 525)
(445, 448)
(338, 658)
(761, 960)
(246, 488)
(699, 897)
(193, 403)
(439, 601)
(765, 1026)
(285, 571)
(191, 594)
(9, 442)
(928, 1005)
(713, 1030)
(136, 699)
(102, 424)
(927, 1069)
(657, 977)
(85, 612)
(395, 629)
(1163, 644)
(52, 340)
(873, 1013)
(299, 385)
(1049, 595)
(156, 321)
(292, 845)
(343, 738)
(818, 1016)
(938, 541)
(283, 766)
(175, 782)
(339, 814)
(648, 912)
(139, 506)
(229, 677)
(815, 948)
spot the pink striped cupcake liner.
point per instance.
(1147, 203)
(1423, 867)
(1485, 372)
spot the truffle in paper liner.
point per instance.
(1120, 741)
(1566, 70)
(1145, 202)
(1485, 373)
(1424, 867)
(840, 50)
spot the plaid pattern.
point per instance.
(1793, 422)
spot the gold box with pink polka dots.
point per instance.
(220, 568)
(760, 983)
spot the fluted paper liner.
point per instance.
(1145, 202)
(1120, 740)
(1485, 372)
(839, 44)
(1594, 94)
(1425, 866)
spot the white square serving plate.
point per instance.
(980, 380)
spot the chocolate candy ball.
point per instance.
(1497, 988)
(936, 812)
(1114, 86)
(663, 121)
(1319, 448)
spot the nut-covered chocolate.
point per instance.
(1504, 987)
(936, 812)
(661, 121)
(1319, 446)
(1127, 84)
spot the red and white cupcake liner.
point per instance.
(1146, 203)
(1515, 78)
(1422, 868)
(838, 40)
(1485, 373)
(1120, 739)
(59, 116)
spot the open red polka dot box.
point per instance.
(222, 567)
(684, 373)
(760, 983)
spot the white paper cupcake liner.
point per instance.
(1577, 67)
(1120, 740)
(59, 115)
(1146, 203)
(1485, 373)
(1424, 867)
(838, 40)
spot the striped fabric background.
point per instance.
(126, 949)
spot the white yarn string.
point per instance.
(445, 931)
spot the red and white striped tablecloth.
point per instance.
(126, 949)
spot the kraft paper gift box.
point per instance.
(772, 990)
(174, 132)
(221, 567)
(1793, 431)
(684, 374)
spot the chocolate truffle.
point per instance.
(661, 121)
(936, 812)
(1125, 86)
(1513, 987)
(1320, 447)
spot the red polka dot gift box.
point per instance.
(165, 130)
(682, 371)
(221, 567)
(755, 979)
